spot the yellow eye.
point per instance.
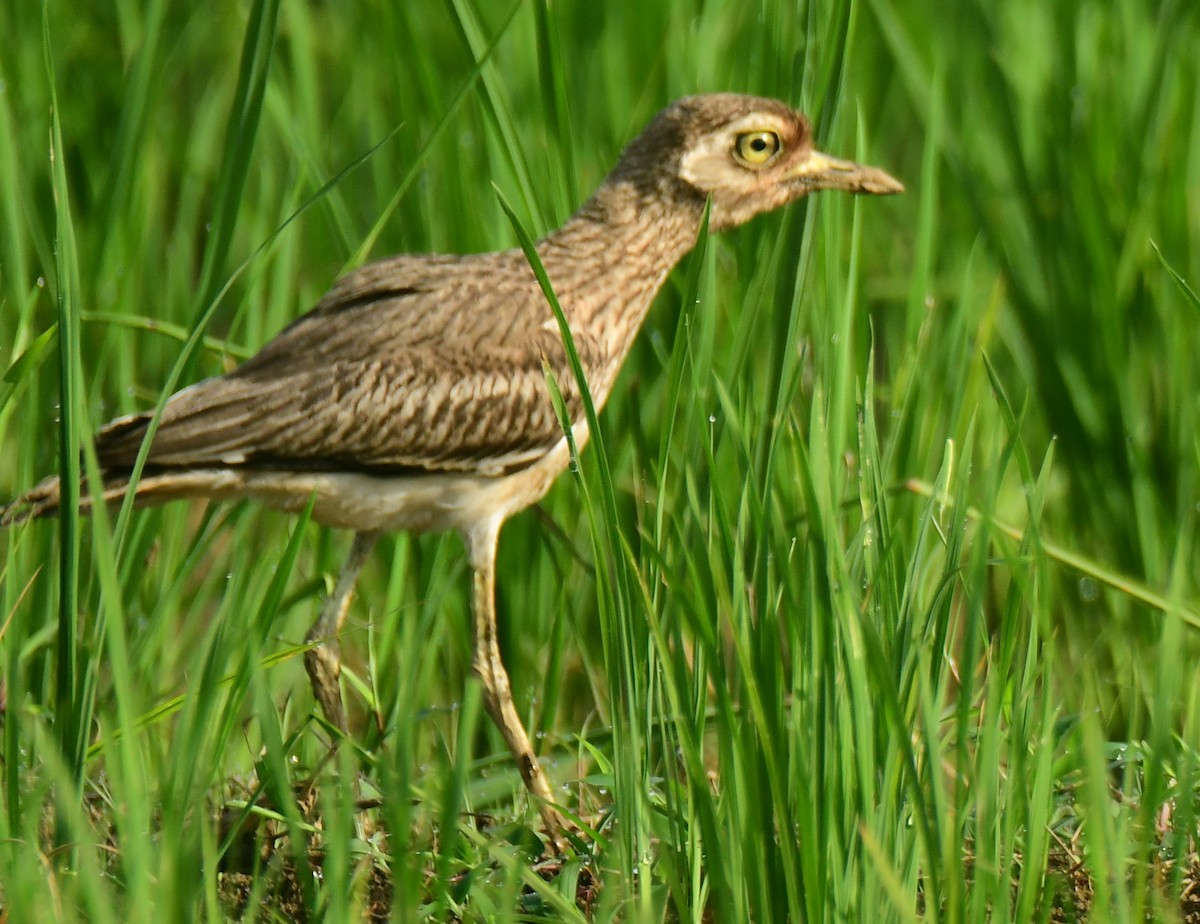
(756, 148)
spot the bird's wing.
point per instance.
(392, 370)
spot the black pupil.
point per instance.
(759, 144)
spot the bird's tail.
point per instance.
(156, 486)
(40, 501)
(45, 499)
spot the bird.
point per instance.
(414, 396)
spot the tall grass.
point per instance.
(879, 603)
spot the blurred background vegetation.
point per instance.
(906, 490)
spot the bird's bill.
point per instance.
(820, 171)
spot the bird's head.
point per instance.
(750, 154)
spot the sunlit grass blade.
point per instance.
(72, 707)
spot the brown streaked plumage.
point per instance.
(413, 396)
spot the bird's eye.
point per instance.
(754, 149)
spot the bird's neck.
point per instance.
(608, 262)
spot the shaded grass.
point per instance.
(785, 686)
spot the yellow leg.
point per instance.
(497, 692)
(323, 662)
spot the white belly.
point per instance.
(370, 503)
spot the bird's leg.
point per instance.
(497, 692)
(323, 661)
